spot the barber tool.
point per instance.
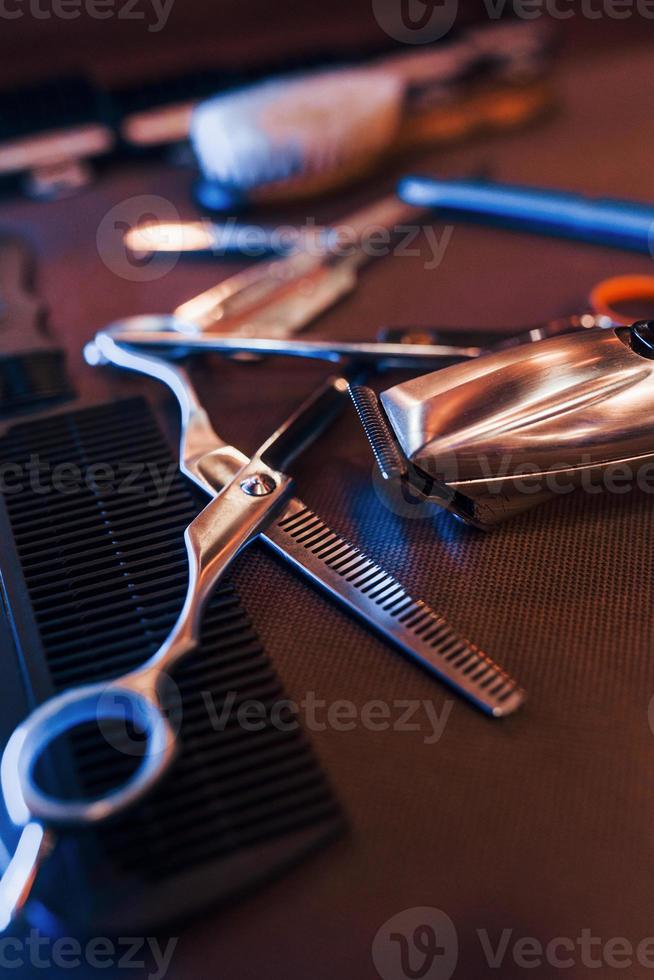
(32, 368)
(171, 333)
(489, 439)
(210, 238)
(281, 297)
(311, 250)
(302, 135)
(55, 133)
(49, 134)
(407, 348)
(621, 224)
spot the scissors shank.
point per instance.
(224, 528)
(208, 467)
(205, 458)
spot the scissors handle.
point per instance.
(213, 540)
(93, 703)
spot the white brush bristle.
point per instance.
(296, 136)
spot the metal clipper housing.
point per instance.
(491, 438)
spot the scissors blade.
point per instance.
(369, 352)
(291, 439)
(359, 583)
(366, 589)
(302, 428)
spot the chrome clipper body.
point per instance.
(490, 438)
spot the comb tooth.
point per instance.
(382, 441)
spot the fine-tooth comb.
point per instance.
(347, 572)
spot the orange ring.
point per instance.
(609, 293)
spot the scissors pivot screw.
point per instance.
(259, 485)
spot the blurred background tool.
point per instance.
(280, 297)
(295, 137)
(50, 132)
(210, 238)
(613, 302)
(32, 367)
(75, 116)
(407, 348)
(622, 224)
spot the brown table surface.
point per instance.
(540, 824)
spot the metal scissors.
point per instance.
(399, 348)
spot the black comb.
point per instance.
(94, 580)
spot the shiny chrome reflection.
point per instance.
(502, 429)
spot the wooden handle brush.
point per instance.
(299, 136)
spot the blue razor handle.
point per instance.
(622, 224)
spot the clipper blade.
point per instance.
(394, 465)
(387, 453)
